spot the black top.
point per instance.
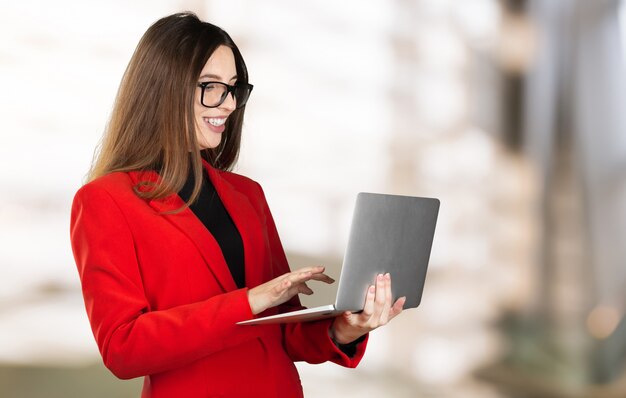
(211, 211)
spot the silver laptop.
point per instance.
(389, 233)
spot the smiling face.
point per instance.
(210, 122)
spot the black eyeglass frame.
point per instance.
(229, 90)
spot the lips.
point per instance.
(215, 121)
(215, 124)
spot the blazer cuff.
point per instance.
(337, 355)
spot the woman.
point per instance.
(173, 249)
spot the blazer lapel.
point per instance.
(187, 223)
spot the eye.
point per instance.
(209, 86)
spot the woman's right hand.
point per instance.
(283, 288)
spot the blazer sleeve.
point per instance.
(134, 340)
(305, 341)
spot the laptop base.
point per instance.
(307, 314)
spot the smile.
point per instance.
(215, 121)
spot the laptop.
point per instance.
(389, 233)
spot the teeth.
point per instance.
(215, 121)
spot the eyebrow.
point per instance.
(212, 76)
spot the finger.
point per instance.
(397, 307)
(304, 289)
(351, 318)
(314, 269)
(384, 316)
(305, 272)
(299, 276)
(368, 308)
(379, 301)
(298, 283)
(319, 275)
(322, 278)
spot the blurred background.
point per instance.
(509, 111)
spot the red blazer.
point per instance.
(162, 302)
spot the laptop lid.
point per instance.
(389, 233)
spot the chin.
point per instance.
(209, 144)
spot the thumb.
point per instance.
(349, 317)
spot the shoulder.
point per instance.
(117, 186)
(113, 183)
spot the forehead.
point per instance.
(221, 64)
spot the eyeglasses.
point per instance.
(214, 93)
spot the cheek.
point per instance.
(196, 112)
(197, 120)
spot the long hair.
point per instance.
(152, 125)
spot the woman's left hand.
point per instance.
(378, 311)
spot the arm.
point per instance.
(133, 340)
(306, 341)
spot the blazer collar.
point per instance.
(240, 210)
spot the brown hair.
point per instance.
(152, 124)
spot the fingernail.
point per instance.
(372, 289)
(380, 277)
(388, 275)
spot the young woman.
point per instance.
(173, 250)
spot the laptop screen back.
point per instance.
(389, 233)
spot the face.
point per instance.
(210, 122)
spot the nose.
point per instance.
(230, 103)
